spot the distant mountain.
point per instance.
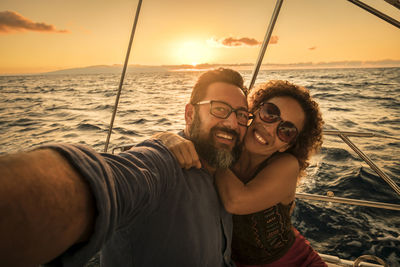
(103, 69)
(100, 69)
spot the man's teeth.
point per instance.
(259, 138)
(224, 135)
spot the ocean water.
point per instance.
(40, 109)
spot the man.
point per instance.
(63, 203)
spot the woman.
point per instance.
(259, 189)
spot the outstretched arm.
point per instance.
(274, 184)
(45, 207)
(182, 148)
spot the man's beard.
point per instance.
(218, 157)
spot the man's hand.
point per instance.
(183, 149)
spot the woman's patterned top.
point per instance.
(262, 237)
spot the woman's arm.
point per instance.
(274, 184)
(182, 148)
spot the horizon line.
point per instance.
(204, 66)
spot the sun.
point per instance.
(192, 53)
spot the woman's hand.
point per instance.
(183, 149)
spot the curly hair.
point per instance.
(217, 75)
(309, 140)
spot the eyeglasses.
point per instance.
(223, 110)
(286, 130)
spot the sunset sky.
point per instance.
(47, 35)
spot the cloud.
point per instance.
(274, 39)
(237, 42)
(312, 48)
(11, 21)
(230, 41)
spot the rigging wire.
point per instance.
(381, 174)
(123, 75)
(377, 13)
(267, 37)
(344, 136)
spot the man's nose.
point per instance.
(232, 121)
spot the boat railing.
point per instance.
(345, 137)
(331, 198)
(362, 260)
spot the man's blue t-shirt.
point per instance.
(150, 211)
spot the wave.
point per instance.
(23, 122)
(88, 127)
(140, 121)
(104, 107)
(340, 109)
(123, 131)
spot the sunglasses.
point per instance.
(223, 110)
(286, 130)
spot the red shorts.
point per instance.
(301, 254)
